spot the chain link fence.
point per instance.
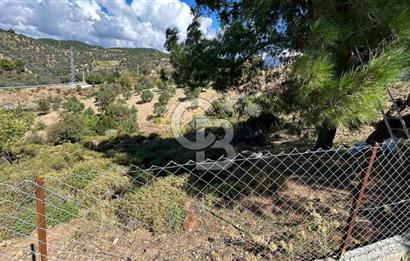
(261, 206)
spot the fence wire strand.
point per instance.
(287, 206)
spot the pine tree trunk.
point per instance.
(325, 136)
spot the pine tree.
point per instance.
(347, 52)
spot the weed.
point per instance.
(58, 211)
(109, 184)
(157, 120)
(160, 205)
(147, 96)
(81, 175)
(35, 138)
(40, 126)
(73, 104)
(176, 216)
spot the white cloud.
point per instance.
(101, 22)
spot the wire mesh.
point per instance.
(287, 206)
(385, 211)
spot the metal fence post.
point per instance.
(357, 202)
(41, 219)
(33, 252)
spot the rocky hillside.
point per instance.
(48, 61)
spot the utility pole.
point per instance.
(72, 67)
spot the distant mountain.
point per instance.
(48, 60)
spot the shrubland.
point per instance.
(32, 61)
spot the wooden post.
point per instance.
(41, 219)
(357, 202)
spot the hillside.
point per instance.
(48, 61)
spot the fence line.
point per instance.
(300, 205)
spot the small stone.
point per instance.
(20, 254)
(209, 216)
(190, 223)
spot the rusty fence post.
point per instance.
(357, 202)
(41, 219)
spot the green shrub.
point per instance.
(192, 93)
(107, 94)
(88, 112)
(14, 124)
(164, 98)
(160, 205)
(252, 110)
(6, 65)
(164, 75)
(58, 211)
(18, 65)
(125, 82)
(27, 151)
(139, 87)
(159, 109)
(94, 78)
(148, 83)
(127, 95)
(73, 104)
(111, 77)
(40, 126)
(70, 128)
(81, 175)
(109, 184)
(143, 84)
(35, 138)
(56, 102)
(147, 96)
(89, 142)
(248, 106)
(162, 86)
(118, 116)
(90, 121)
(44, 106)
(224, 107)
(56, 106)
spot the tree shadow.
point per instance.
(155, 150)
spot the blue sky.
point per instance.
(215, 23)
(109, 23)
